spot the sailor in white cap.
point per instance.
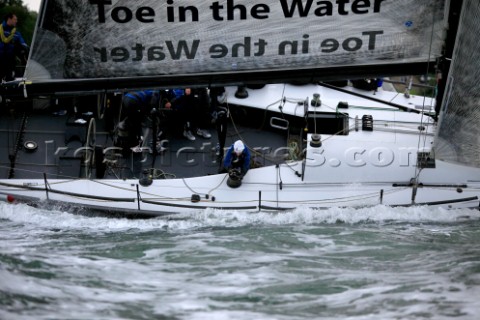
(237, 158)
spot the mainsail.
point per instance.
(233, 40)
(459, 130)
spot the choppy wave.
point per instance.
(371, 263)
(216, 218)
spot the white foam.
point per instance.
(24, 214)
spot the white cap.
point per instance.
(238, 146)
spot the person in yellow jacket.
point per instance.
(12, 44)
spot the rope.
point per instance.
(160, 174)
(417, 169)
(221, 182)
(292, 150)
(209, 191)
(237, 132)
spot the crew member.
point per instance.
(237, 159)
(137, 108)
(11, 45)
(190, 107)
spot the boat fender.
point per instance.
(195, 198)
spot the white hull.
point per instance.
(267, 188)
(363, 168)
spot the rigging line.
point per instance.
(255, 152)
(130, 190)
(41, 172)
(360, 107)
(121, 107)
(280, 177)
(233, 123)
(188, 187)
(11, 126)
(162, 174)
(265, 112)
(334, 109)
(394, 97)
(372, 108)
(277, 185)
(430, 48)
(282, 101)
(90, 143)
(297, 105)
(118, 120)
(296, 102)
(339, 132)
(334, 200)
(283, 91)
(396, 105)
(315, 117)
(280, 107)
(287, 164)
(17, 145)
(221, 182)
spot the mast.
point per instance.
(455, 9)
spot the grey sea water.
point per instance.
(373, 263)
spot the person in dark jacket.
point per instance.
(237, 159)
(190, 107)
(11, 45)
(220, 117)
(138, 111)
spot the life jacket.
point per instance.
(9, 38)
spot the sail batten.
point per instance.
(231, 40)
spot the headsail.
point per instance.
(231, 41)
(459, 130)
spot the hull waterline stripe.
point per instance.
(198, 207)
(433, 203)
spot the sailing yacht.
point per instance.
(301, 84)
